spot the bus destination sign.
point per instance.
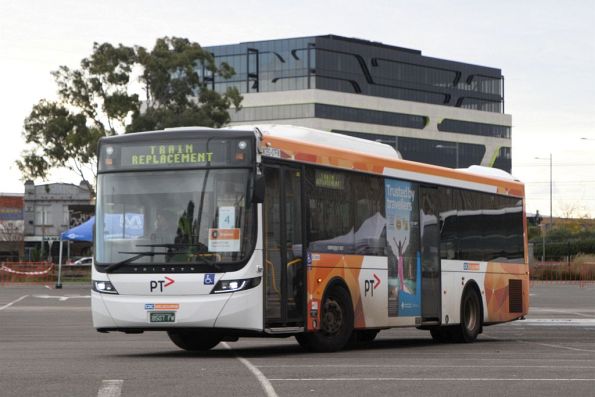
(175, 154)
(182, 154)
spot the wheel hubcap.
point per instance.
(332, 319)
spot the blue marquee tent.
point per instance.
(82, 232)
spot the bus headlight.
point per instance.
(235, 285)
(104, 287)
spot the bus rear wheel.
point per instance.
(470, 325)
(336, 324)
(194, 341)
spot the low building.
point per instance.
(11, 227)
(50, 209)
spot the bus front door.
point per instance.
(284, 279)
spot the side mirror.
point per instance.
(259, 189)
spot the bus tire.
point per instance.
(470, 326)
(194, 341)
(336, 324)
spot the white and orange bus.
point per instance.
(216, 234)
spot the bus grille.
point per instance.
(515, 296)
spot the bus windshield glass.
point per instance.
(176, 217)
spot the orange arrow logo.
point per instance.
(377, 283)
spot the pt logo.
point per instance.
(371, 285)
(160, 284)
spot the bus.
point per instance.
(215, 234)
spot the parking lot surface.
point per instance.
(49, 348)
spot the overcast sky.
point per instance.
(546, 50)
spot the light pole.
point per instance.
(551, 184)
(551, 223)
(455, 147)
(41, 253)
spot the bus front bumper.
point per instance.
(238, 310)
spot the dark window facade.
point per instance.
(357, 66)
(323, 111)
(369, 116)
(468, 127)
(503, 160)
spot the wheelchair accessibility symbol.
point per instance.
(209, 279)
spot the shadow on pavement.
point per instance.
(295, 349)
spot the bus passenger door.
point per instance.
(431, 298)
(284, 266)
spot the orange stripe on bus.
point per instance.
(294, 149)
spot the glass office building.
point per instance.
(432, 110)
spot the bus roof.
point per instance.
(342, 151)
(325, 138)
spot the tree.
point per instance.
(101, 98)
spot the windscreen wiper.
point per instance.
(202, 247)
(201, 250)
(137, 255)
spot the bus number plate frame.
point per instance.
(162, 317)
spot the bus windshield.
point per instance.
(174, 217)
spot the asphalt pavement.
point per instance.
(49, 348)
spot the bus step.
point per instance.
(284, 330)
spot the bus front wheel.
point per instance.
(193, 341)
(336, 324)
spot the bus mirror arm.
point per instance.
(258, 191)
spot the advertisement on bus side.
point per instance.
(404, 258)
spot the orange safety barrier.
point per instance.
(26, 272)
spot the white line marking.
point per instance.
(13, 302)
(546, 345)
(264, 382)
(558, 322)
(62, 298)
(437, 379)
(563, 347)
(110, 388)
(427, 366)
(564, 311)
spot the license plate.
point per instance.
(162, 317)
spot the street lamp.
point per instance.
(455, 147)
(551, 212)
(550, 159)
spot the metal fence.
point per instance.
(565, 272)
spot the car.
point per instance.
(85, 261)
